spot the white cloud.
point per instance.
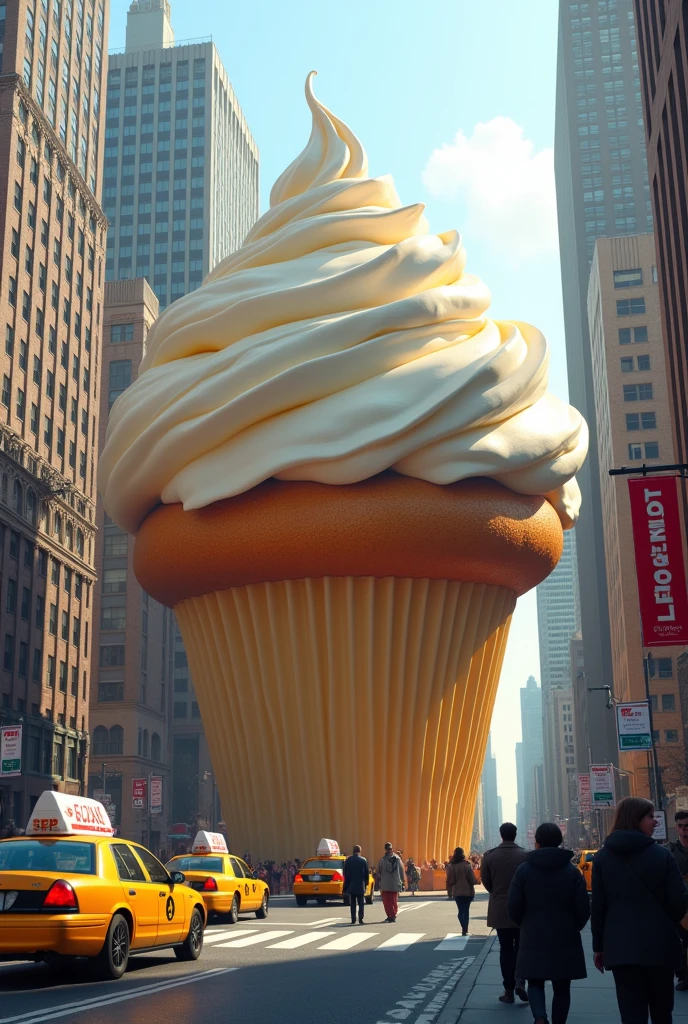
(506, 185)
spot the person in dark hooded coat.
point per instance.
(638, 899)
(549, 902)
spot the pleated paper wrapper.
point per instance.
(357, 708)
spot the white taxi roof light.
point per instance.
(328, 848)
(61, 814)
(209, 842)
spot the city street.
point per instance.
(300, 966)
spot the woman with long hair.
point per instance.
(461, 886)
(638, 899)
(547, 900)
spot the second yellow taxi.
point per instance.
(226, 883)
(69, 888)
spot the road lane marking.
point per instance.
(428, 996)
(453, 941)
(349, 941)
(299, 940)
(415, 906)
(37, 1016)
(249, 940)
(216, 936)
(398, 943)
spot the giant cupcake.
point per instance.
(341, 475)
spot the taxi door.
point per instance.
(244, 877)
(173, 900)
(139, 893)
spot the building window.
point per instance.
(665, 668)
(52, 622)
(195, 710)
(628, 278)
(113, 618)
(119, 379)
(11, 596)
(671, 736)
(668, 702)
(114, 581)
(65, 625)
(179, 710)
(115, 545)
(111, 655)
(627, 364)
(63, 677)
(122, 332)
(110, 692)
(643, 420)
(630, 307)
(654, 702)
(651, 450)
(50, 673)
(637, 392)
(643, 362)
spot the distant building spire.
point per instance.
(149, 25)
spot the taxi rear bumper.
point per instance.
(217, 902)
(313, 890)
(26, 935)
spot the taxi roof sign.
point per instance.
(328, 847)
(209, 842)
(61, 814)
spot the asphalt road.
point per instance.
(300, 966)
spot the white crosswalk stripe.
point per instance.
(349, 941)
(453, 941)
(212, 936)
(252, 940)
(299, 940)
(398, 943)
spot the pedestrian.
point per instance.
(391, 881)
(680, 855)
(638, 899)
(356, 875)
(548, 901)
(412, 876)
(497, 871)
(461, 886)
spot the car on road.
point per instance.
(226, 883)
(321, 878)
(69, 888)
(583, 861)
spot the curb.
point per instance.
(457, 1002)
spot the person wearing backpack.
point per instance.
(638, 900)
(680, 854)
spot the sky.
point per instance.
(456, 101)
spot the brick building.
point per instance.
(52, 255)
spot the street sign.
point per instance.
(101, 796)
(602, 785)
(10, 750)
(155, 794)
(138, 792)
(633, 726)
(584, 794)
(659, 566)
(660, 832)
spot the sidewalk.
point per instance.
(593, 1000)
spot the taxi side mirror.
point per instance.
(178, 877)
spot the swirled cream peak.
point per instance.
(341, 340)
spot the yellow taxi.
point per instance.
(321, 878)
(69, 888)
(227, 885)
(583, 862)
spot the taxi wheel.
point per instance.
(262, 911)
(301, 901)
(192, 945)
(233, 915)
(111, 962)
(321, 901)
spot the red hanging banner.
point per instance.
(659, 562)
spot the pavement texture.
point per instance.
(593, 1000)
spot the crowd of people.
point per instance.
(539, 904)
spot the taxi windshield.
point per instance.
(48, 855)
(320, 862)
(195, 864)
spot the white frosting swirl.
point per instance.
(342, 339)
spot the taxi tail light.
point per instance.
(298, 877)
(337, 877)
(210, 885)
(61, 896)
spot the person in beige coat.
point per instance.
(497, 870)
(461, 886)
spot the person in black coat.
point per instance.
(638, 899)
(356, 875)
(548, 901)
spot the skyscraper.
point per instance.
(491, 802)
(51, 279)
(181, 192)
(531, 753)
(558, 620)
(663, 38)
(602, 190)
